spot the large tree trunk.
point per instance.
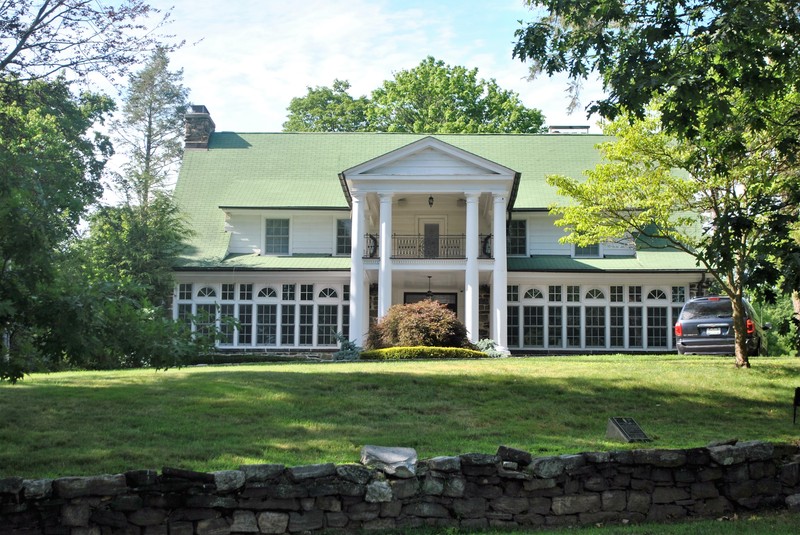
(740, 332)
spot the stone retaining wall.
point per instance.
(471, 491)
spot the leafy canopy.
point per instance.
(668, 192)
(430, 98)
(695, 54)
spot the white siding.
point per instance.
(312, 233)
(245, 233)
(543, 236)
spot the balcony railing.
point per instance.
(419, 246)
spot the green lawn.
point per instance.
(213, 418)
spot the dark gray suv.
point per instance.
(705, 327)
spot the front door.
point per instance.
(431, 243)
(431, 229)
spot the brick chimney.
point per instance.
(199, 127)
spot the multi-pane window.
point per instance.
(268, 293)
(343, 236)
(533, 326)
(634, 294)
(287, 293)
(617, 294)
(185, 291)
(658, 295)
(327, 293)
(306, 292)
(266, 324)
(327, 321)
(678, 294)
(554, 319)
(346, 292)
(306, 325)
(277, 236)
(516, 239)
(206, 319)
(185, 314)
(573, 294)
(573, 326)
(512, 294)
(595, 293)
(554, 293)
(245, 324)
(287, 324)
(207, 291)
(617, 326)
(228, 291)
(226, 322)
(534, 293)
(346, 321)
(513, 326)
(635, 327)
(595, 326)
(245, 292)
(657, 326)
(590, 251)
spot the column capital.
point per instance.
(386, 196)
(472, 196)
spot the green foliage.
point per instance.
(137, 245)
(151, 129)
(348, 349)
(426, 323)
(693, 53)
(422, 352)
(734, 219)
(326, 109)
(781, 338)
(488, 346)
(50, 168)
(430, 98)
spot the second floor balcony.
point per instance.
(420, 246)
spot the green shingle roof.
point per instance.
(294, 170)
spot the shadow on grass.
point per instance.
(212, 419)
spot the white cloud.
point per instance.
(255, 56)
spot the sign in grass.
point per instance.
(625, 429)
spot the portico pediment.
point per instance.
(429, 159)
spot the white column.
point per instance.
(500, 275)
(471, 319)
(385, 270)
(359, 301)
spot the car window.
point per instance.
(707, 309)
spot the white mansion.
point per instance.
(302, 235)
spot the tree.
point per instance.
(326, 109)
(50, 168)
(39, 39)
(693, 54)
(671, 193)
(430, 98)
(140, 240)
(150, 132)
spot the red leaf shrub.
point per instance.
(426, 323)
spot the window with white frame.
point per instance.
(276, 239)
(589, 251)
(516, 242)
(343, 236)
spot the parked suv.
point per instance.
(705, 327)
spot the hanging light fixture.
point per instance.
(429, 293)
(430, 201)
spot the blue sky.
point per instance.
(246, 59)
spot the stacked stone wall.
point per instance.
(472, 491)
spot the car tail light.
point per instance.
(678, 329)
(751, 327)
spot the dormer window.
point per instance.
(277, 236)
(590, 251)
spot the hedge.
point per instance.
(422, 352)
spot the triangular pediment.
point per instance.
(428, 157)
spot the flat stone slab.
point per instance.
(401, 462)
